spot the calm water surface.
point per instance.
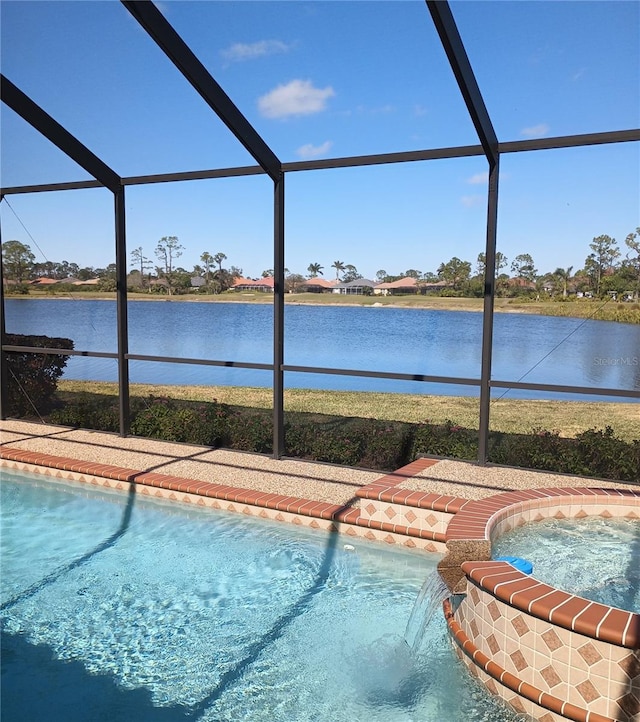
(530, 348)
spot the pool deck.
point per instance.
(148, 461)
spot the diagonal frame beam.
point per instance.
(457, 55)
(59, 136)
(181, 55)
(74, 149)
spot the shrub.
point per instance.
(108, 284)
(326, 439)
(446, 439)
(171, 420)
(596, 453)
(336, 447)
(299, 437)
(20, 289)
(153, 417)
(249, 430)
(604, 455)
(539, 450)
(89, 413)
(369, 443)
(32, 378)
(386, 444)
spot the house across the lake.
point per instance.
(317, 285)
(361, 287)
(248, 284)
(399, 287)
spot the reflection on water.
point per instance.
(540, 349)
(567, 351)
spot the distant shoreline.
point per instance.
(585, 309)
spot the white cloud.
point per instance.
(298, 97)
(313, 151)
(420, 110)
(479, 178)
(535, 131)
(472, 201)
(250, 51)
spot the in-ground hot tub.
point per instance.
(549, 653)
(608, 574)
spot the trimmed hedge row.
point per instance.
(368, 443)
(32, 378)
(596, 452)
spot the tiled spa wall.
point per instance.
(549, 654)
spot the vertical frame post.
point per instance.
(278, 318)
(487, 316)
(121, 311)
(4, 384)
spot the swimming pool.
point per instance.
(609, 573)
(120, 607)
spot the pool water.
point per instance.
(595, 558)
(119, 607)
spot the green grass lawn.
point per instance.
(568, 418)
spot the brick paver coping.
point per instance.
(478, 517)
(305, 507)
(384, 489)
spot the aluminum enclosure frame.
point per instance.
(159, 29)
(457, 55)
(106, 177)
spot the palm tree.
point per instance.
(315, 269)
(218, 258)
(339, 266)
(207, 259)
(563, 275)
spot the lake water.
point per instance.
(533, 349)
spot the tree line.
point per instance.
(172, 278)
(605, 271)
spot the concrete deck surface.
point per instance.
(304, 479)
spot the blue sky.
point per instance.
(321, 80)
